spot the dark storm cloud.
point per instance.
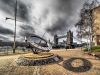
(26, 34)
(56, 16)
(9, 7)
(64, 6)
(23, 11)
(5, 31)
(27, 27)
(57, 27)
(4, 38)
(26, 30)
(69, 9)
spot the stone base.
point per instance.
(30, 60)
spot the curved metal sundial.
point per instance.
(38, 44)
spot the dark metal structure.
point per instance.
(38, 44)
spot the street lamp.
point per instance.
(14, 45)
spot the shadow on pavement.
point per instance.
(77, 65)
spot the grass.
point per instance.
(94, 49)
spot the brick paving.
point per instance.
(74, 58)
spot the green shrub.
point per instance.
(86, 49)
(94, 49)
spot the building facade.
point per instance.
(96, 25)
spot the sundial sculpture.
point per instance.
(38, 44)
(41, 55)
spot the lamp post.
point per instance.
(14, 45)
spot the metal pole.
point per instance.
(14, 46)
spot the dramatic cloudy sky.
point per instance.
(39, 16)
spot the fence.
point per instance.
(7, 50)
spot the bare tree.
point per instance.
(85, 24)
